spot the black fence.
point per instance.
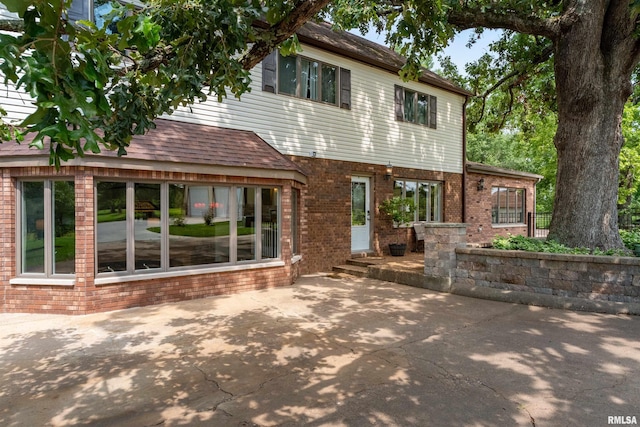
(538, 222)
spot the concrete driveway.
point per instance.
(324, 352)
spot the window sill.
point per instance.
(520, 224)
(296, 259)
(113, 279)
(42, 281)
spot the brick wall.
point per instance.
(85, 296)
(480, 230)
(326, 230)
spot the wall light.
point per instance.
(389, 171)
(481, 184)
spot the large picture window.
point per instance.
(508, 205)
(47, 228)
(307, 78)
(427, 196)
(146, 227)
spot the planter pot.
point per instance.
(397, 249)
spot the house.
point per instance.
(243, 194)
(498, 202)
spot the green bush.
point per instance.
(529, 244)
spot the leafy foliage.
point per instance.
(94, 87)
(529, 244)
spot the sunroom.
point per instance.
(190, 211)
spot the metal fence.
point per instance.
(538, 222)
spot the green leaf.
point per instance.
(17, 6)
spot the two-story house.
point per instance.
(242, 194)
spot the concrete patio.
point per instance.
(327, 351)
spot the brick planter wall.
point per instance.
(581, 282)
(598, 278)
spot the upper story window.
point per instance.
(427, 196)
(307, 78)
(415, 107)
(507, 205)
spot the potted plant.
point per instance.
(401, 210)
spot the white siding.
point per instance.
(367, 133)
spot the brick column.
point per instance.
(440, 243)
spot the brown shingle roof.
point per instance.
(322, 35)
(178, 142)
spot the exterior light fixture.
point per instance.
(389, 171)
(481, 184)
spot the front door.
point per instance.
(360, 214)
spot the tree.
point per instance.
(593, 48)
(95, 87)
(166, 54)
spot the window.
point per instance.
(307, 78)
(508, 205)
(145, 227)
(47, 227)
(295, 221)
(426, 195)
(416, 107)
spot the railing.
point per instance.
(538, 222)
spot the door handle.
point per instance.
(368, 215)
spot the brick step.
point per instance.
(352, 270)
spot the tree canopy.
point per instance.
(93, 86)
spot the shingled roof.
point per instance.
(323, 36)
(186, 143)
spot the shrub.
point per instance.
(530, 244)
(208, 216)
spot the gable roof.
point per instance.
(180, 143)
(323, 36)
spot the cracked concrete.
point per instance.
(324, 352)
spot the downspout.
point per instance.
(464, 160)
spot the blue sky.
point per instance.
(457, 50)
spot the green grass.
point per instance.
(203, 230)
(107, 216)
(65, 248)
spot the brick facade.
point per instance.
(478, 204)
(85, 296)
(326, 228)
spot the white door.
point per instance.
(360, 214)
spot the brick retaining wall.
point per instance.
(582, 282)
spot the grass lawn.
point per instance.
(204, 230)
(65, 248)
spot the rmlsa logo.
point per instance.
(622, 420)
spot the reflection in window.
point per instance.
(47, 244)
(269, 223)
(426, 195)
(148, 243)
(287, 75)
(145, 227)
(307, 78)
(33, 227)
(409, 106)
(199, 229)
(507, 205)
(111, 226)
(329, 73)
(246, 197)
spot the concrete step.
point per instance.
(361, 262)
(352, 270)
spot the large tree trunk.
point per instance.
(593, 84)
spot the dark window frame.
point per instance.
(430, 118)
(271, 79)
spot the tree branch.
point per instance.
(472, 18)
(281, 31)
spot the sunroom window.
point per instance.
(47, 228)
(146, 227)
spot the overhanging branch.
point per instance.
(277, 33)
(474, 18)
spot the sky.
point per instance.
(458, 51)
